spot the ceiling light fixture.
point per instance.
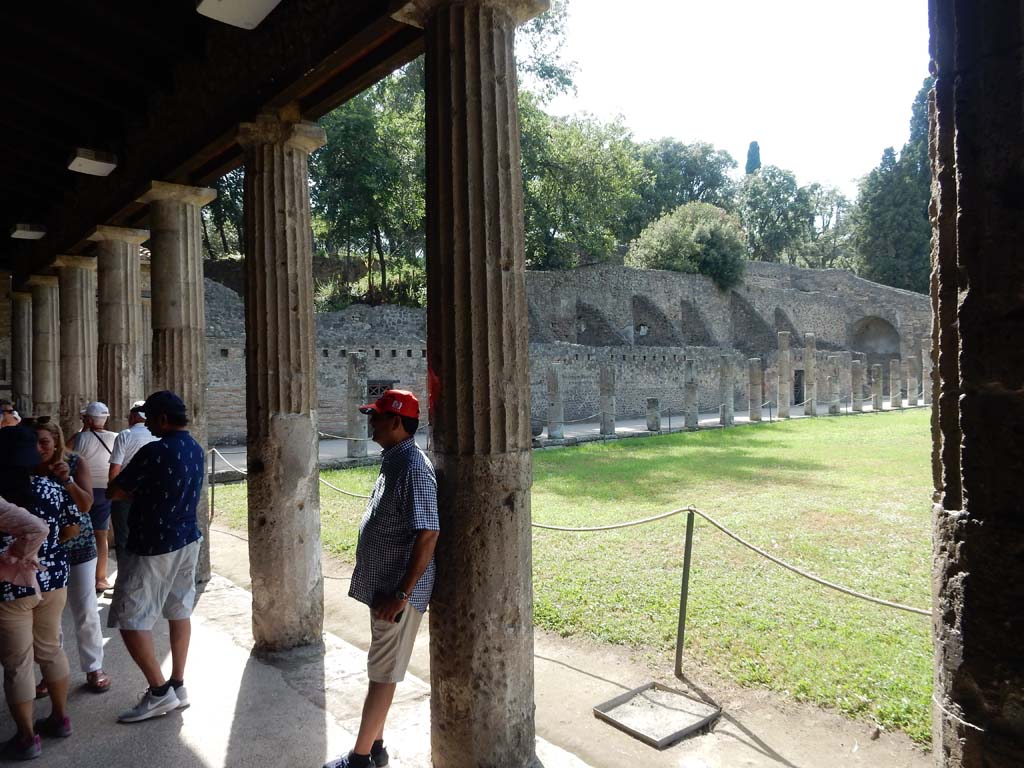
(246, 14)
(28, 232)
(92, 162)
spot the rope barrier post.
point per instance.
(684, 592)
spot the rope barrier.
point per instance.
(340, 437)
(243, 538)
(237, 469)
(341, 490)
(758, 550)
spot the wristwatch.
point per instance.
(400, 595)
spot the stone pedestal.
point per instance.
(481, 662)
(177, 340)
(876, 387)
(606, 398)
(755, 387)
(785, 375)
(119, 370)
(810, 375)
(356, 394)
(78, 339)
(857, 385)
(556, 408)
(691, 417)
(895, 387)
(281, 385)
(45, 345)
(726, 391)
(653, 415)
(21, 351)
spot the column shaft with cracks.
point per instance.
(45, 345)
(78, 337)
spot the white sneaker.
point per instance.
(149, 706)
(182, 695)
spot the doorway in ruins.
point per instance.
(798, 387)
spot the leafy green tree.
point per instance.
(680, 173)
(753, 158)
(828, 240)
(540, 64)
(891, 229)
(224, 216)
(697, 238)
(776, 214)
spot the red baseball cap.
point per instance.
(400, 402)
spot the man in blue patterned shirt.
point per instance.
(394, 573)
(157, 569)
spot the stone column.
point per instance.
(927, 371)
(810, 376)
(45, 345)
(21, 351)
(356, 394)
(556, 408)
(691, 415)
(834, 397)
(146, 307)
(895, 388)
(876, 387)
(845, 377)
(857, 385)
(755, 387)
(913, 392)
(78, 340)
(119, 372)
(281, 385)
(606, 393)
(726, 391)
(785, 375)
(481, 661)
(653, 415)
(174, 334)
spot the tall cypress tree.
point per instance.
(753, 158)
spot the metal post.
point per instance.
(683, 594)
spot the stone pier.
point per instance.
(119, 370)
(653, 415)
(357, 393)
(146, 306)
(691, 417)
(21, 351)
(78, 339)
(556, 408)
(481, 661)
(755, 388)
(45, 345)
(895, 386)
(834, 384)
(606, 392)
(876, 387)
(785, 375)
(845, 377)
(927, 372)
(913, 391)
(810, 376)
(281, 384)
(857, 385)
(726, 391)
(177, 341)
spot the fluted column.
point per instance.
(45, 345)
(556, 407)
(119, 370)
(895, 389)
(785, 375)
(834, 395)
(78, 337)
(356, 394)
(857, 385)
(755, 388)
(481, 638)
(146, 308)
(691, 415)
(21, 351)
(876, 387)
(177, 342)
(281, 384)
(810, 376)
(726, 391)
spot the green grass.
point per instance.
(847, 498)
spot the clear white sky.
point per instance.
(823, 85)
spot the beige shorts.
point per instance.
(154, 585)
(391, 646)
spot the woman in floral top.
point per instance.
(30, 620)
(70, 471)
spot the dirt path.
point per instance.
(759, 728)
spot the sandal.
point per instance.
(98, 681)
(42, 690)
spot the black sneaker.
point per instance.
(379, 758)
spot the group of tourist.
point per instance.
(57, 500)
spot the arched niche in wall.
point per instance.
(751, 333)
(593, 329)
(694, 329)
(651, 327)
(879, 340)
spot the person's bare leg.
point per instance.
(181, 634)
(375, 713)
(58, 697)
(21, 711)
(102, 549)
(139, 643)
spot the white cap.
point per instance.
(97, 410)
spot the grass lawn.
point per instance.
(847, 498)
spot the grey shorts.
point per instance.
(391, 646)
(154, 585)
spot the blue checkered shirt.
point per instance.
(404, 501)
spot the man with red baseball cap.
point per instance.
(394, 573)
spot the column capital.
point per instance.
(164, 190)
(272, 129)
(21, 296)
(121, 234)
(71, 260)
(416, 12)
(48, 281)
